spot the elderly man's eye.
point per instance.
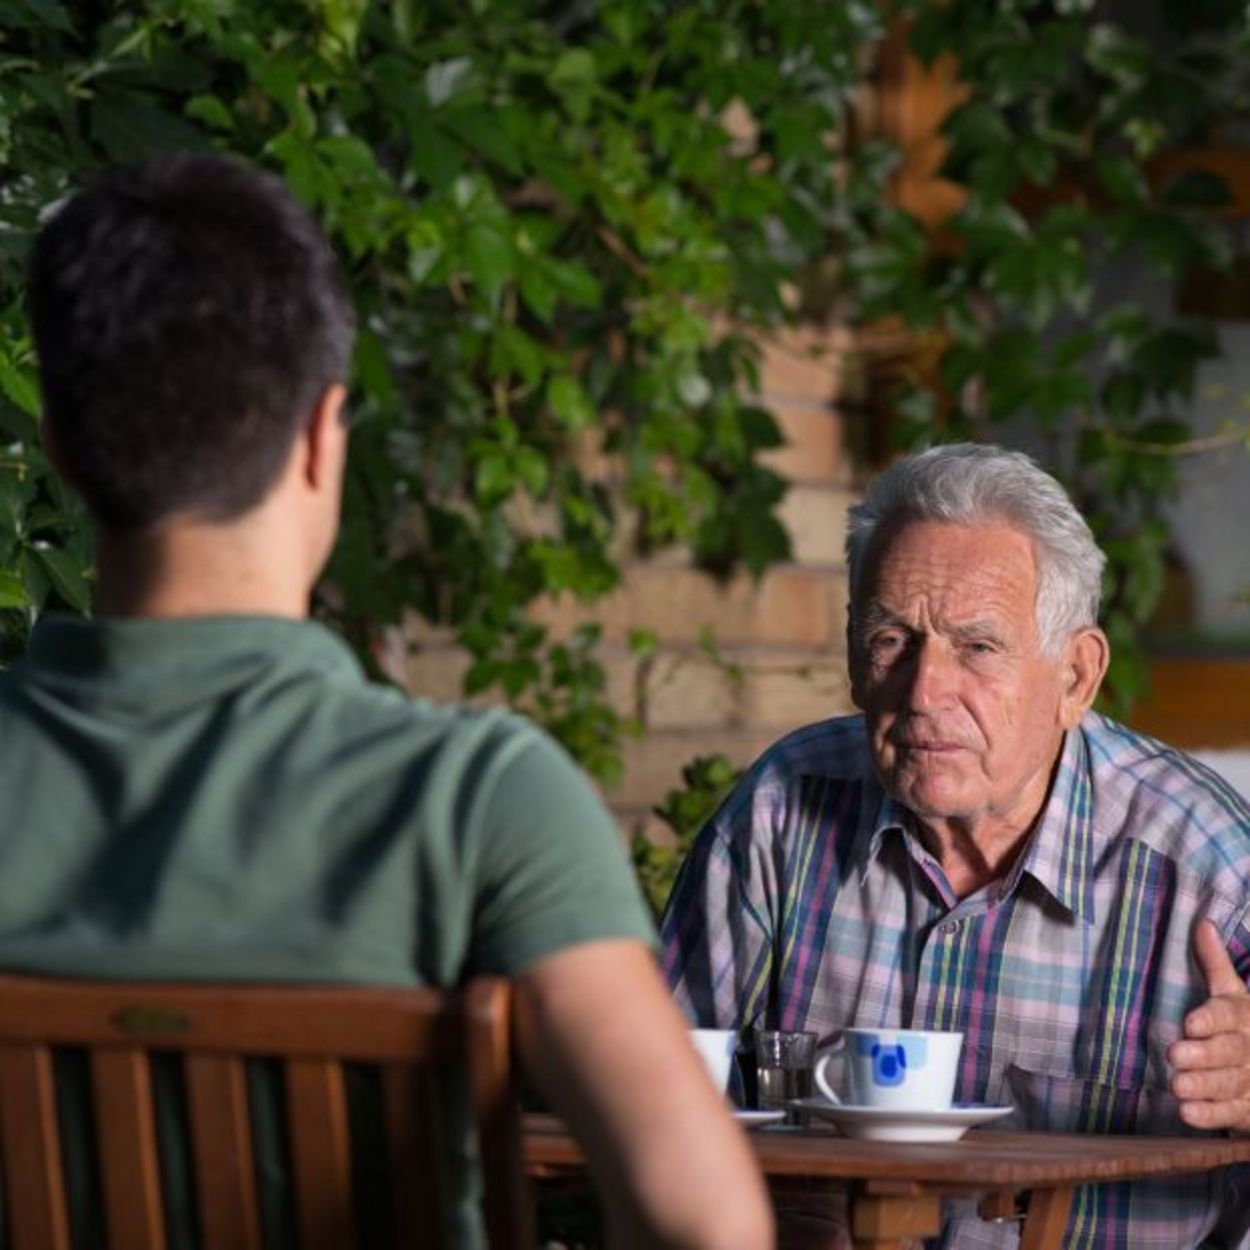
(886, 643)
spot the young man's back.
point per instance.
(199, 783)
(228, 798)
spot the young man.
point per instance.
(200, 784)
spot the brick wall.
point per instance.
(780, 657)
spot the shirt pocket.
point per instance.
(1063, 1104)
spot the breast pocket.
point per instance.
(1060, 1104)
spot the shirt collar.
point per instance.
(157, 664)
(890, 818)
(1059, 852)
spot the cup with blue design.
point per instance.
(892, 1069)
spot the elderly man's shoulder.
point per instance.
(835, 749)
(800, 772)
(1163, 797)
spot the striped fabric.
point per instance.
(809, 902)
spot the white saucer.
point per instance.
(752, 1119)
(887, 1124)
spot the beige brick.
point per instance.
(436, 673)
(775, 692)
(621, 669)
(653, 765)
(634, 820)
(687, 690)
(788, 605)
(815, 517)
(530, 518)
(802, 364)
(781, 694)
(813, 447)
(417, 631)
(587, 452)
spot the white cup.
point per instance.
(717, 1047)
(899, 1069)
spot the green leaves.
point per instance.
(546, 225)
(17, 384)
(705, 781)
(488, 254)
(12, 591)
(66, 575)
(570, 405)
(574, 79)
(1054, 144)
(129, 127)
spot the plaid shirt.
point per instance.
(808, 902)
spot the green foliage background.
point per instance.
(559, 246)
(1056, 292)
(554, 240)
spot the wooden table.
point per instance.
(895, 1190)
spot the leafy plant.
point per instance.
(1063, 144)
(562, 224)
(705, 782)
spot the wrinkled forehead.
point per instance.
(961, 569)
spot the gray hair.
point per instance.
(969, 483)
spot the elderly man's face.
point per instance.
(965, 713)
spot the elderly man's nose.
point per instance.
(932, 675)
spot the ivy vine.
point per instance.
(1067, 144)
(562, 224)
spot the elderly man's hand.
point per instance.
(1211, 1063)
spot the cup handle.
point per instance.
(819, 1074)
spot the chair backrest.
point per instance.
(413, 1036)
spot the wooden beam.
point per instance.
(1197, 702)
(907, 103)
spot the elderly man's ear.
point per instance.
(1085, 660)
(854, 668)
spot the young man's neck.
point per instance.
(187, 569)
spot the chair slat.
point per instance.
(505, 1198)
(320, 1154)
(128, 1152)
(313, 1032)
(222, 1146)
(406, 1025)
(34, 1185)
(417, 1144)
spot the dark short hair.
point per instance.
(187, 314)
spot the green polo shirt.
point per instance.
(228, 798)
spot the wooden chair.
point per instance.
(413, 1036)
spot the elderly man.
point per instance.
(980, 852)
(200, 783)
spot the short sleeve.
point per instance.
(551, 867)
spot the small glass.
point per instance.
(783, 1069)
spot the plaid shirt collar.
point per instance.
(1059, 854)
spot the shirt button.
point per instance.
(949, 928)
